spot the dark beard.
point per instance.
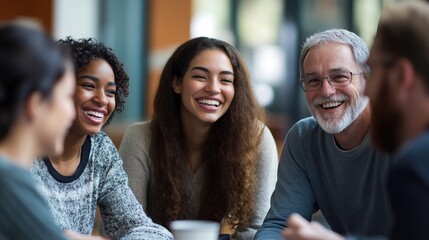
(386, 119)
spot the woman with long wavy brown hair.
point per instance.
(207, 153)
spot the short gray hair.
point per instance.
(357, 45)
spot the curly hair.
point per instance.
(84, 50)
(231, 149)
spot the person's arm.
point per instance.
(266, 180)
(301, 229)
(122, 214)
(293, 191)
(134, 152)
(77, 236)
(23, 212)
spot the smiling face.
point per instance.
(94, 97)
(334, 108)
(207, 88)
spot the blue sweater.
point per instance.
(349, 187)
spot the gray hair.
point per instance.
(357, 45)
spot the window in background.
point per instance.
(212, 19)
(259, 24)
(123, 28)
(67, 23)
(366, 15)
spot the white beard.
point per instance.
(333, 125)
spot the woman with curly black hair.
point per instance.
(207, 153)
(89, 172)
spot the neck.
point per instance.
(13, 151)
(67, 163)
(20, 147)
(195, 137)
(416, 118)
(353, 135)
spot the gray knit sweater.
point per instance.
(99, 180)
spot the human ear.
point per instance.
(405, 73)
(34, 106)
(176, 85)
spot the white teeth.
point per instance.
(331, 104)
(95, 114)
(209, 102)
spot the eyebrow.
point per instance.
(208, 71)
(330, 71)
(95, 79)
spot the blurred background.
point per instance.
(144, 33)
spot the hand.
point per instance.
(76, 236)
(300, 229)
(226, 228)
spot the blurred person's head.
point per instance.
(399, 74)
(339, 57)
(36, 88)
(205, 84)
(102, 83)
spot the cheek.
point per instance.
(310, 96)
(70, 109)
(230, 93)
(352, 91)
(112, 105)
(81, 96)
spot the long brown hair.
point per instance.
(231, 150)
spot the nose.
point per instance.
(100, 98)
(327, 89)
(212, 86)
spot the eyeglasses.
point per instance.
(335, 79)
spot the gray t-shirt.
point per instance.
(24, 214)
(349, 187)
(99, 180)
(134, 151)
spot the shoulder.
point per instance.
(138, 130)
(413, 156)
(102, 148)
(12, 175)
(137, 137)
(101, 140)
(304, 129)
(267, 139)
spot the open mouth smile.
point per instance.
(331, 105)
(209, 102)
(96, 117)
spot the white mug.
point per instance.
(194, 230)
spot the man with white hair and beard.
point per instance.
(328, 161)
